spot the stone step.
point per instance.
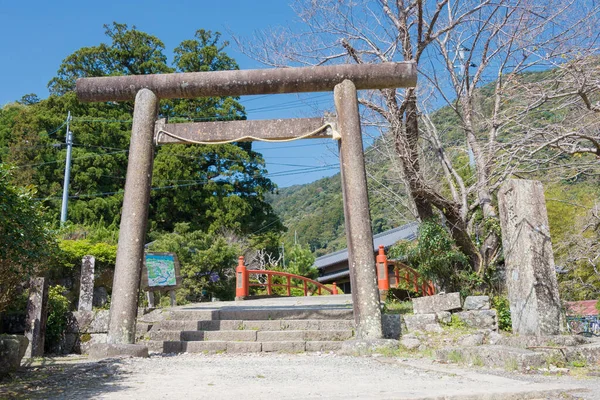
(260, 325)
(241, 347)
(251, 335)
(253, 314)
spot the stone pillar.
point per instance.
(530, 273)
(359, 235)
(37, 315)
(134, 220)
(86, 284)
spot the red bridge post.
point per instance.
(241, 280)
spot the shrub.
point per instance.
(58, 309)
(500, 303)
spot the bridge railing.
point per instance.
(402, 272)
(243, 284)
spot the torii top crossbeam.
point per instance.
(248, 82)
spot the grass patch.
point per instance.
(398, 307)
(455, 356)
(511, 364)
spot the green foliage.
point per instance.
(58, 309)
(393, 306)
(500, 304)
(74, 250)
(26, 242)
(301, 262)
(207, 262)
(210, 187)
(436, 257)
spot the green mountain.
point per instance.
(314, 214)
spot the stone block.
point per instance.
(245, 336)
(334, 324)
(37, 315)
(204, 347)
(302, 325)
(493, 356)
(244, 347)
(418, 322)
(225, 325)
(86, 286)
(185, 325)
(471, 340)
(275, 336)
(100, 297)
(410, 342)
(192, 336)
(436, 303)
(92, 321)
(391, 325)
(323, 346)
(161, 335)
(284, 347)
(444, 317)
(328, 335)
(87, 340)
(262, 325)
(476, 303)
(105, 350)
(12, 351)
(479, 319)
(530, 273)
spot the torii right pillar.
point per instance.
(530, 273)
(359, 236)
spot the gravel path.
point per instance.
(281, 376)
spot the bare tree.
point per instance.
(472, 56)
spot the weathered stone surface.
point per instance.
(37, 315)
(68, 343)
(284, 347)
(479, 319)
(246, 336)
(323, 346)
(530, 272)
(444, 317)
(106, 350)
(436, 303)
(476, 303)
(12, 350)
(100, 297)
(328, 335)
(204, 347)
(244, 347)
(524, 341)
(274, 336)
(88, 340)
(410, 342)
(436, 328)
(92, 321)
(493, 356)
(471, 340)
(367, 347)
(418, 322)
(391, 325)
(86, 286)
(494, 338)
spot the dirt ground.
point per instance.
(285, 376)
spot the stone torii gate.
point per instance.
(147, 90)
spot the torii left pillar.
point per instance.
(134, 220)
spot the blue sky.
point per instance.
(38, 35)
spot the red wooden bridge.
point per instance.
(403, 277)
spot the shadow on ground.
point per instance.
(51, 379)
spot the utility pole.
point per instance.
(65, 198)
(461, 56)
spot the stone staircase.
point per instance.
(245, 330)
